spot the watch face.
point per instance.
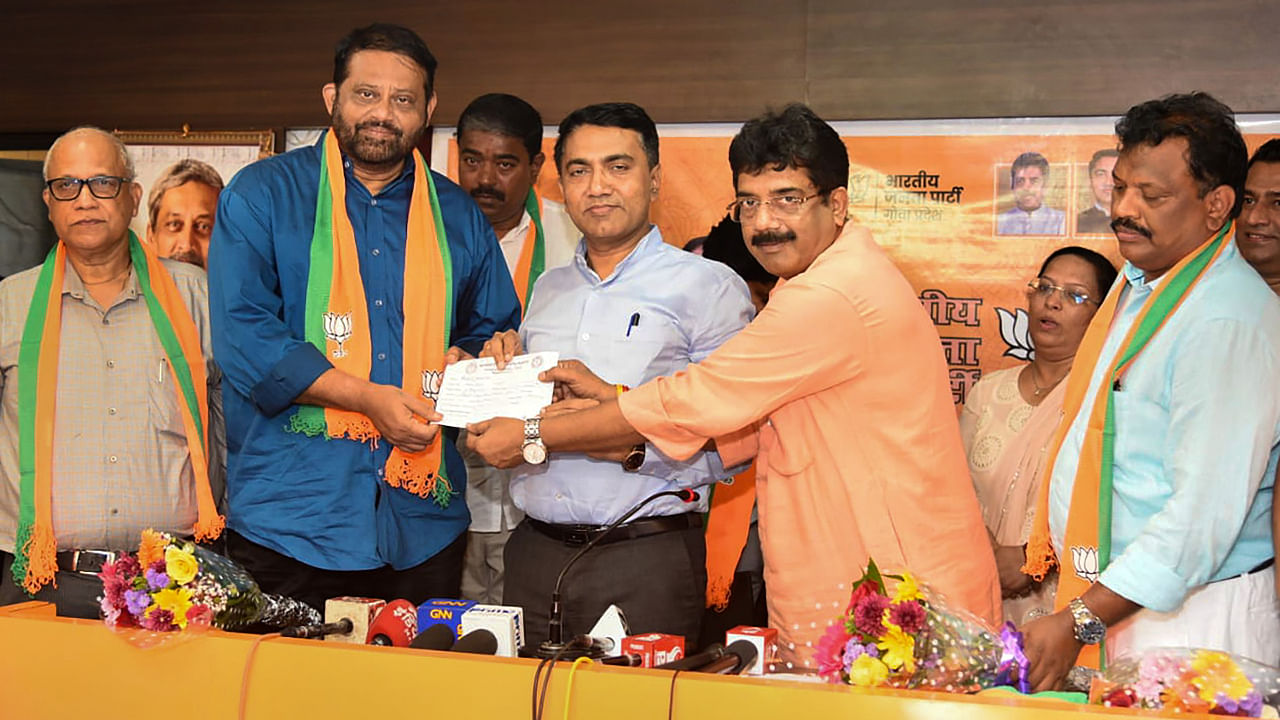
(1091, 632)
(535, 453)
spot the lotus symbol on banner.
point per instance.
(431, 380)
(338, 329)
(1015, 330)
(1085, 560)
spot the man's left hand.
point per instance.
(499, 441)
(1051, 648)
(456, 354)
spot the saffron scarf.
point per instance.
(1088, 532)
(35, 561)
(728, 523)
(533, 256)
(337, 317)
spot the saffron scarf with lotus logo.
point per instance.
(1088, 533)
(35, 551)
(337, 318)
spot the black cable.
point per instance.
(546, 681)
(671, 695)
(536, 675)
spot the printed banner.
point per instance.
(939, 196)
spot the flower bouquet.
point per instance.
(173, 586)
(1176, 680)
(907, 637)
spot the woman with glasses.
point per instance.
(1010, 416)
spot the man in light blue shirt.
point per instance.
(1029, 215)
(1197, 416)
(630, 307)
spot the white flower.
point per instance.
(1085, 562)
(338, 329)
(1015, 330)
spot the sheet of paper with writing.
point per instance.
(475, 390)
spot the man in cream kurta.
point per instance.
(839, 386)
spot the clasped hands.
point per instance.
(499, 441)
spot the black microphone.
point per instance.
(736, 658)
(628, 660)
(555, 645)
(341, 627)
(711, 653)
(478, 642)
(435, 637)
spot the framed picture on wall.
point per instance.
(155, 152)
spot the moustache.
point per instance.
(1131, 226)
(489, 191)
(772, 238)
(380, 124)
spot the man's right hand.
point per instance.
(502, 347)
(400, 417)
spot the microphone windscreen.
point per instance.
(745, 651)
(478, 642)
(396, 624)
(435, 637)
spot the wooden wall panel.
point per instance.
(156, 64)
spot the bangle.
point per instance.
(621, 388)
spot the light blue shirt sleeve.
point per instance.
(1217, 434)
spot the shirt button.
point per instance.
(374, 202)
(559, 496)
(377, 303)
(111, 363)
(111, 411)
(586, 336)
(382, 356)
(112, 458)
(376, 252)
(115, 511)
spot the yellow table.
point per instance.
(54, 667)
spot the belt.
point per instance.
(1256, 569)
(583, 534)
(85, 562)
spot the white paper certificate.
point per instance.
(475, 390)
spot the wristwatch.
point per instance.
(1090, 630)
(533, 450)
(634, 458)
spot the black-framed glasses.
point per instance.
(784, 206)
(1044, 289)
(103, 187)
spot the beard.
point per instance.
(373, 150)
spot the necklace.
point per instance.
(1031, 373)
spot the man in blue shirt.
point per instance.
(314, 517)
(1029, 215)
(631, 307)
(1196, 416)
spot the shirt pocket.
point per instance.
(1142, 428)
(650, 349)
(164, 411)
(785, 459)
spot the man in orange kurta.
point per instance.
(839, 386)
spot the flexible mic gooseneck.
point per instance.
(555, 646)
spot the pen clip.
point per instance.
(634, 323)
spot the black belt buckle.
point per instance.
(90, 562)
(578, 536)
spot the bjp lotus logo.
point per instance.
(431, 381)
(337, 328)
(1085, 562)
(1015, 330)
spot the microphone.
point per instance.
(713, 652)
(736, 658)
(396, 624)
(628, 660)
(435, 637)
(478, 642)
(555, 645)
(340, 627)
(359, 611)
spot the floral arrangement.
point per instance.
(173, 585)
(908, 638)
(1185, 680)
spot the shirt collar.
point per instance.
(405, 172)
(1137, 278)
(518, 232)
(649, 244)
(72, 284)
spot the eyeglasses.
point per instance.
(103, 187)
(1044, 289)
(785, 206)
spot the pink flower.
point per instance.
(159, 621)
(127, 567)
(863, 590)
(830, 652)
(199, 615)
(868, 615)
(907, 615)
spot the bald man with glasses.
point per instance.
(92, 323)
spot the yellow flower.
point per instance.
(1218, 673)
(907, 589)
(152, 547)
(898, 649)
(867, 671)
(181, 566)
(176, 601)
